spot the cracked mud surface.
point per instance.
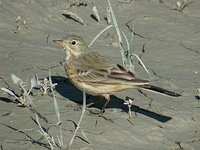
(165, 37)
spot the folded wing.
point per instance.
(93, 67)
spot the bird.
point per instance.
(98, 75)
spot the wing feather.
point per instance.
(93, 67)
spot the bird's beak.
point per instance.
(60, 42)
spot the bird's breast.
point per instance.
(93, 88)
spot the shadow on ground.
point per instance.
(69, 91)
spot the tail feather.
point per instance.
(159, 90)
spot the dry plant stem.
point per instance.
(96, 13)
(60, 139)
(54, 98)
(127, 43)
(78, 125)
(115, 22)
(25, 94)
(10, 92)
(129, 103)
(48, 137)
(118, 31)
(100, 34)
(132, 31)
(129, 111)
(128, 48)
(75, 15)
(124, 59)
(198, 94)
(198, 91)
(141, 63)
(109, 20)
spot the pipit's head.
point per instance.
(74, 45)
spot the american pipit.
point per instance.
(98, 75)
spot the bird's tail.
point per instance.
(158, 90)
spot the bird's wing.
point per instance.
(93, 67)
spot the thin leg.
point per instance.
(107, 98)
(104, 106)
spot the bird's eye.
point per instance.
(73, 42)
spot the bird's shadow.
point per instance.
(65, 88)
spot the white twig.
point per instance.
(100, 34)
(96, 13)
(109, 19)
(115, 22)
(80, 20)
(141, 62)
(56, 110)
(129, 103)
(118, 32)
(48, 137)
(78, 125)
(10, 92)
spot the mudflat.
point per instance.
(166, 37)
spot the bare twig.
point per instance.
(70, 15)
(100, 34)
(60, 138)
(96, 13)
(109, 19)
(81, 118)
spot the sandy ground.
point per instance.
(171, 54)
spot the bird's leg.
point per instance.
(107, 98)
(100, 114)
